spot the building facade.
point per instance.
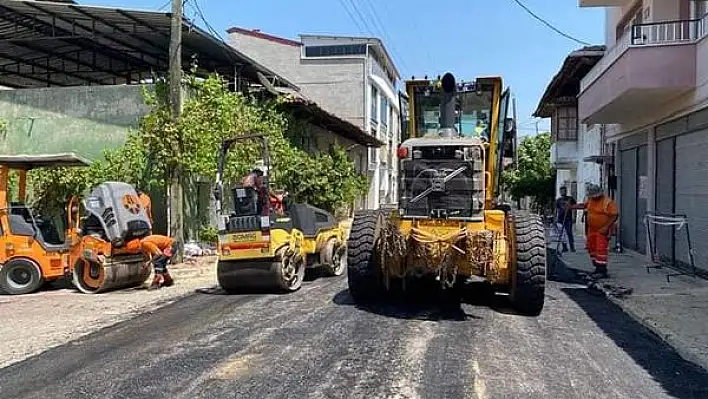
(353, 78)
(576, 148)
(651, 90)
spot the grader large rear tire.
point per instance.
(529, 280)
(362, 269)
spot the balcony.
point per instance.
(602, 3)
(645, 69)
(564, 155)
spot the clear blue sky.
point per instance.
(466, 37)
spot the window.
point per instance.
(564, 124)
(633, 17)
(473, 114)
(374, 104)
(384, 111)
(339, 50)
(700, 8)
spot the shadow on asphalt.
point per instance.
(430, 304)
(409, 308)
(680, 378)
(216, 290)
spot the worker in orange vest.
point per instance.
(602, 215)
(158, 249)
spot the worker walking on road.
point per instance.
(565, 216)
(602, 215)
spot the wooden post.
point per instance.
(176, 199)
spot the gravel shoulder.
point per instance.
(34, 323)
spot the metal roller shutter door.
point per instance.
(692, 193)
(632, 208)
(641, 209)
(628, 198)
(663, 237)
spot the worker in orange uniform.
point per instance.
(160, 249)
(601, 217)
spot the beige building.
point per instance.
(651, 90)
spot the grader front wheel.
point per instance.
(529, 279)
(362, 274)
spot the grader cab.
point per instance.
(450, 225)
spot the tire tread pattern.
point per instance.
(529, 292)
(362, 277)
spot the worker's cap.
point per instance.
(593, 190)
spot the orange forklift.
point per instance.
(93, 254)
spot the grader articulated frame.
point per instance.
(449, 224)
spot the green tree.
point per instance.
(211, 114)
(534, 176)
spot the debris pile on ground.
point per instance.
(595, 286)
(193, 249)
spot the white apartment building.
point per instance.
(576, 150)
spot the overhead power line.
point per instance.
(361, 18)
(381, 27)
(548, 24)
(351, 16)
(378, 27)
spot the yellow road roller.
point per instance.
(266, 242)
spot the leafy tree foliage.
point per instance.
(534, 175)
(211, 113)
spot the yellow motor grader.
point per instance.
(450, 225)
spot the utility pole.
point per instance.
(176, 198)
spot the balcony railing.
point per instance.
(669, 32)
(649, 34)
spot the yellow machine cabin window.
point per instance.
(473, 111)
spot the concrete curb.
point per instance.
(668, 338)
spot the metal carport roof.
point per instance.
(63, 44)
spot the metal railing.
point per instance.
(649, 34)
(667, 32)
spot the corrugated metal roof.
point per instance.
(48, 43)
(27, 162)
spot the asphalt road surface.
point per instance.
(316, 344)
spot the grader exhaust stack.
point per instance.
(448, 103)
